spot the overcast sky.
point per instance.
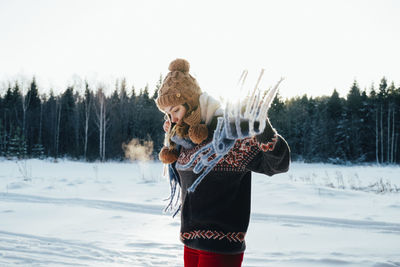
(316, 45)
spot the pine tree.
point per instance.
(323, 126)
(116, 133)
(353, 111)
(87, 110)
(334, 114)
(16, 107)
(290, 121)
(33, 113)
(49, 125)
(124, 110)
(7, 109)
(276, 110)
(67, 138)
(17, 145)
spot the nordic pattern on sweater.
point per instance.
(237, 158)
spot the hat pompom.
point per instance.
(168, 155)
(198, 133)
(179, 64)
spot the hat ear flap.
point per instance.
(168, 155)
(198, 133)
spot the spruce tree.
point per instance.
(67, 124)
(353, 121)
(16, 147)
(33, 104)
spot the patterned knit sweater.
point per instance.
(215, 217)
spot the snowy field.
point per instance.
(110, 214)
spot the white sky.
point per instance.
(316, 45)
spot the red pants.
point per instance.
(200, 258)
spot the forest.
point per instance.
(88, 124)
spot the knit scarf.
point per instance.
(208, 108)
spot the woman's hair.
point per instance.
(186, 107)
(181, 130)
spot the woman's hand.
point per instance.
(167, 126)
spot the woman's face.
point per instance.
(176, 113)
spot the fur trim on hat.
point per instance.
(198, 133)
(168, 155)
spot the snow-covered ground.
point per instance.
(110, 214)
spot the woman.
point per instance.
(215, 216)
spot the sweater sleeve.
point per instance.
(273, 154)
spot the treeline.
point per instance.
(363, 127)
(90, 125)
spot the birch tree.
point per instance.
(25, 105)
(57, 129)
(392, 145)
(102, 120)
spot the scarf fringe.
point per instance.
(173, 205)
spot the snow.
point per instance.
(111, 214)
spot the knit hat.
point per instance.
(178, 88)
